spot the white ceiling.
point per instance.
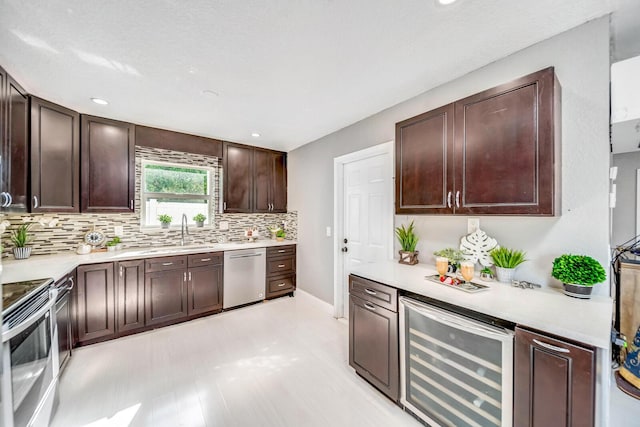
(292, 70)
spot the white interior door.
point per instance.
(367, 215)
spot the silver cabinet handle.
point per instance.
(121, 271)
(370, 292)
(131, 204)
(10, 199)
(189, 276)
(281, 251)
(449, 199)
(35, 202)
(167, 263)
(457, 199)
(280, 265)
(370, 306)
(281, 285)
(185, 276)
(205, 259)
(70, 279)
(551, 347)
(224, 206)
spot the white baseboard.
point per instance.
(323, 305)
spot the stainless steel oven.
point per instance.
(30, 358)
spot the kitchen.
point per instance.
(580, 57)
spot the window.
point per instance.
(174, 190)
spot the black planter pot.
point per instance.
(577, 291)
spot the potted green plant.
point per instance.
(280, 235)
(20, 238)
(506, 260)
(111, 245)
(408, 241)
(486, 274)
(165, 220)
(453, 255)
(199, 219)
(578, 274)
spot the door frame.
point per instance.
(386, 148)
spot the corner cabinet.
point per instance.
(130, 296)
(255, 179)
(55, 158)
(554, 382)
(95, 303)
(108, 165)
(493, 153)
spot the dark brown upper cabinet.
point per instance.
(55, 158)
(255, 179)
(108, 165)
(15, 144)
(492, 153)
(169, 140)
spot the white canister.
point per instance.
(83, 249)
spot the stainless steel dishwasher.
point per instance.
(244, 276)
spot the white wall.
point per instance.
(624, 214)
(581, 60)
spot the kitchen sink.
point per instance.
(166, 250)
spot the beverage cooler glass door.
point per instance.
(455, 371)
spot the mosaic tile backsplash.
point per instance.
(71, 228)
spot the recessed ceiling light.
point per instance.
(210, 92)
(255, 135)
(99, 101)
(446, 2)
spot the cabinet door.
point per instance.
(279, 183)
(55, 158)
(108, 165)
(63, 322)
(505, 142)
(130, 295)
(554, 382)
(165, 296)
(238, 178)
(16, 151)
(205, 289)
(424, 163)
(95, 302)
(373, 345)
(3, 132)
(262, 180)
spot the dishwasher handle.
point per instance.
(243, 256)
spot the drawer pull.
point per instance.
(551, 347)
(167, 263)
(205, 259)
(370, 306)
(281, 285)
(281, 265)
(281, 251)
(370, 292)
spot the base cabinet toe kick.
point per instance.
(450, 366)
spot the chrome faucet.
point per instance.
(185, 227)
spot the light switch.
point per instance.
(118, 230)
(328, 231)
(472, 225)
(224, 225)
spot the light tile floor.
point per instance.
(279, 363)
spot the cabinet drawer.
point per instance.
(377, 293)
(278, 251)
(284, 284)
(205, 259)
(283, 265)
(166, 263)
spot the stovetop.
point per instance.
(16, 293)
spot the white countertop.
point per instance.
(546, 309)
(56, 266)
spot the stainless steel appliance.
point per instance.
(454, 370)
(30, 353)
(244, 276)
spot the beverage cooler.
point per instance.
(455, 371)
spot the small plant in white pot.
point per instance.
(506, 260)
(199, 219)
(165, 220)
(20, 238)
(578, 274)
(408, 241)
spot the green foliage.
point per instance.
(20, 236)
(453, 255)
(578, 269)
(199, 218)
(407, 238)
(165, 219)
(486, 270)
(113, 241)
(176, 180)
(280, 233)
(507, 258)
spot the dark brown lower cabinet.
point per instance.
(554, 382)
(373, 345)
(205, 289)
(165, 296)
(95, 302)
(130, 296)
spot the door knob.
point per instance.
(345, 249)
(345, 241)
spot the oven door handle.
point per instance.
(18, 329)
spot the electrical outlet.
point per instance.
(118, 230)
(224, 225)
(328, 232)
(472, 225)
